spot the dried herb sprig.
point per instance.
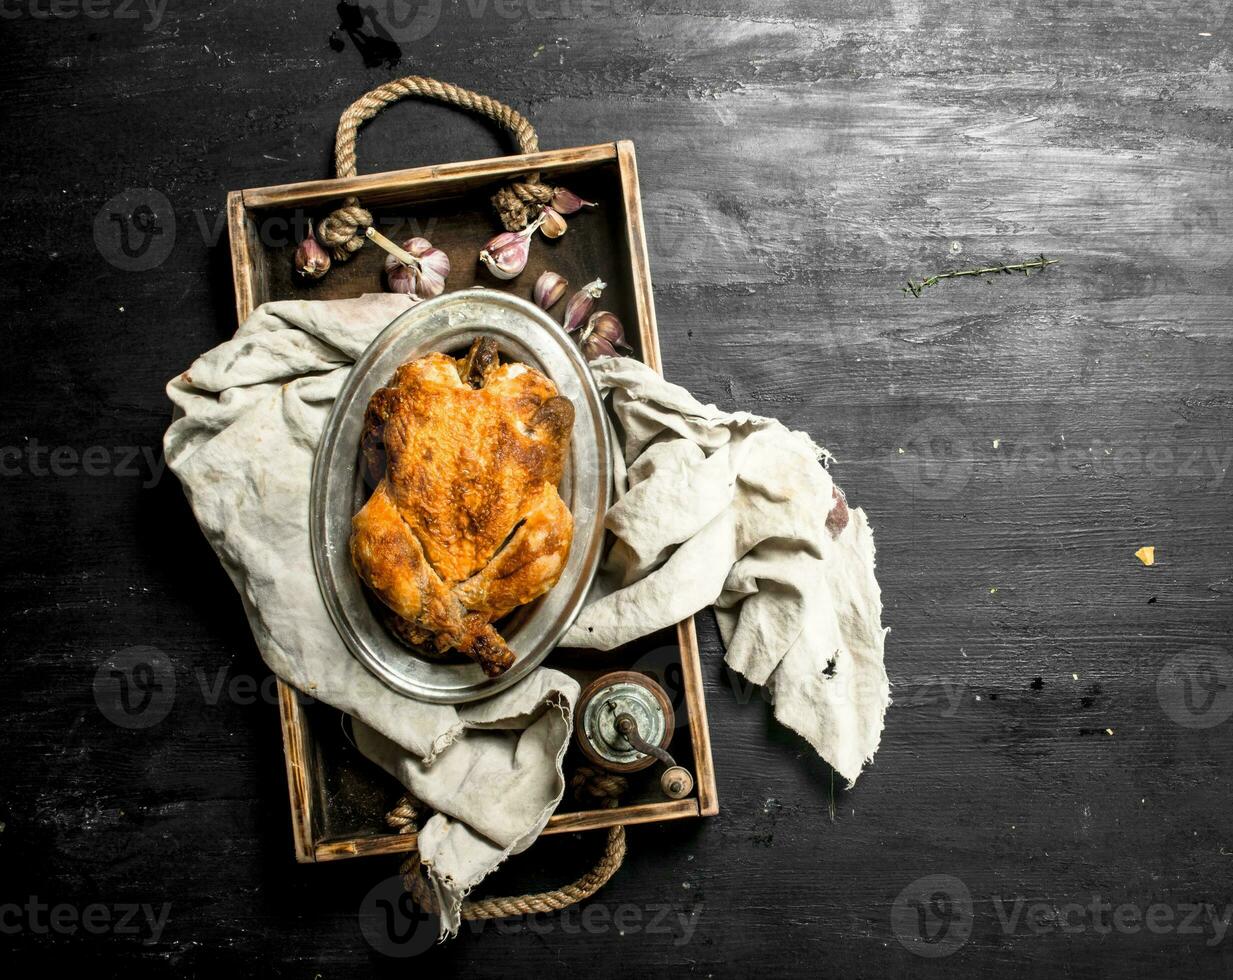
(918, 286)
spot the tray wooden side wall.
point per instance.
(256, 277)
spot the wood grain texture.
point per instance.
(797, 162)
(402, 185)
(559, 823)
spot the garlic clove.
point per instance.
(434, 270)
(506, 255)
(595, 347)
(581, 304)
(311, 260)
(567, 202)
(549, 288)
(605, 333)
(553, 225)
(402, 279)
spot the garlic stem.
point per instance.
(401, 254)
(530, 229)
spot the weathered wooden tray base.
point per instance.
(338, 798)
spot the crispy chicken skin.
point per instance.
(465, 522)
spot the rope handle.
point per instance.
(517, 203)
(602, 787)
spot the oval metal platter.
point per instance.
(449, 323)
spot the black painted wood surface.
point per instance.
(1051, 796)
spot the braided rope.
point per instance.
(602, 788)
(369, 104)
(517, 203)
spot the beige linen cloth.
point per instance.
(721, 508)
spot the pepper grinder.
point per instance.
(624, 723)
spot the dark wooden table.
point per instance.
(1051, 797)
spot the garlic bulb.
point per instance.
(549, 288)
(581, 304)
(603, 337)
(311, 260)
(426, 278)
(567, 202)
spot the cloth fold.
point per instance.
(729, 509)
(735, 510)
(249, 414)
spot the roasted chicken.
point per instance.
(465, 523)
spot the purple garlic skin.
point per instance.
(567, 202)
(604, 336)
(506, 255)
(581, 304)
(595, 347)
(311, 260)
(549, 288)
(423, 280)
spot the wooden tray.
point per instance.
(339, 798)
